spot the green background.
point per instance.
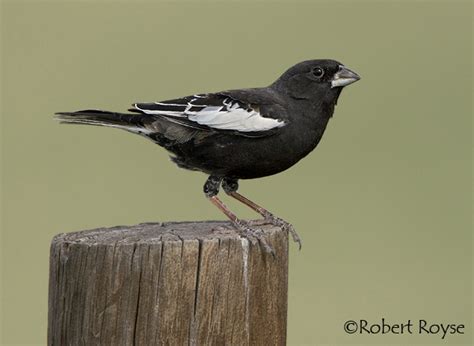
(383, 205)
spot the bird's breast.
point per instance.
(246, 157)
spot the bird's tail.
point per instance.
(135, 123)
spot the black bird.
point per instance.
(238, 134)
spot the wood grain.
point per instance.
(189, 283)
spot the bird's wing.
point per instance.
(242, 112)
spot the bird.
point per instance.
(238, 134)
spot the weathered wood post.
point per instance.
(191, 283)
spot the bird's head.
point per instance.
(315, 79)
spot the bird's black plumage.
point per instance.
(238, 134)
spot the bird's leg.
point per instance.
(254, 235)
(231, 186)
(211, 189)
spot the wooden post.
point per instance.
(190, 283)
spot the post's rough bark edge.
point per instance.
(183, 283)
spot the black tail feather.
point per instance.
(131, 122)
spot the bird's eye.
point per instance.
(318, 72)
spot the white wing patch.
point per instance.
(229, 116)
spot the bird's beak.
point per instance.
(344, 77)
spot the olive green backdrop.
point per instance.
(383, 205)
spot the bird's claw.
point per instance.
(254, 235)
(284, 225)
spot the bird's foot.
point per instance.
(284, 225)
(254, 235)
